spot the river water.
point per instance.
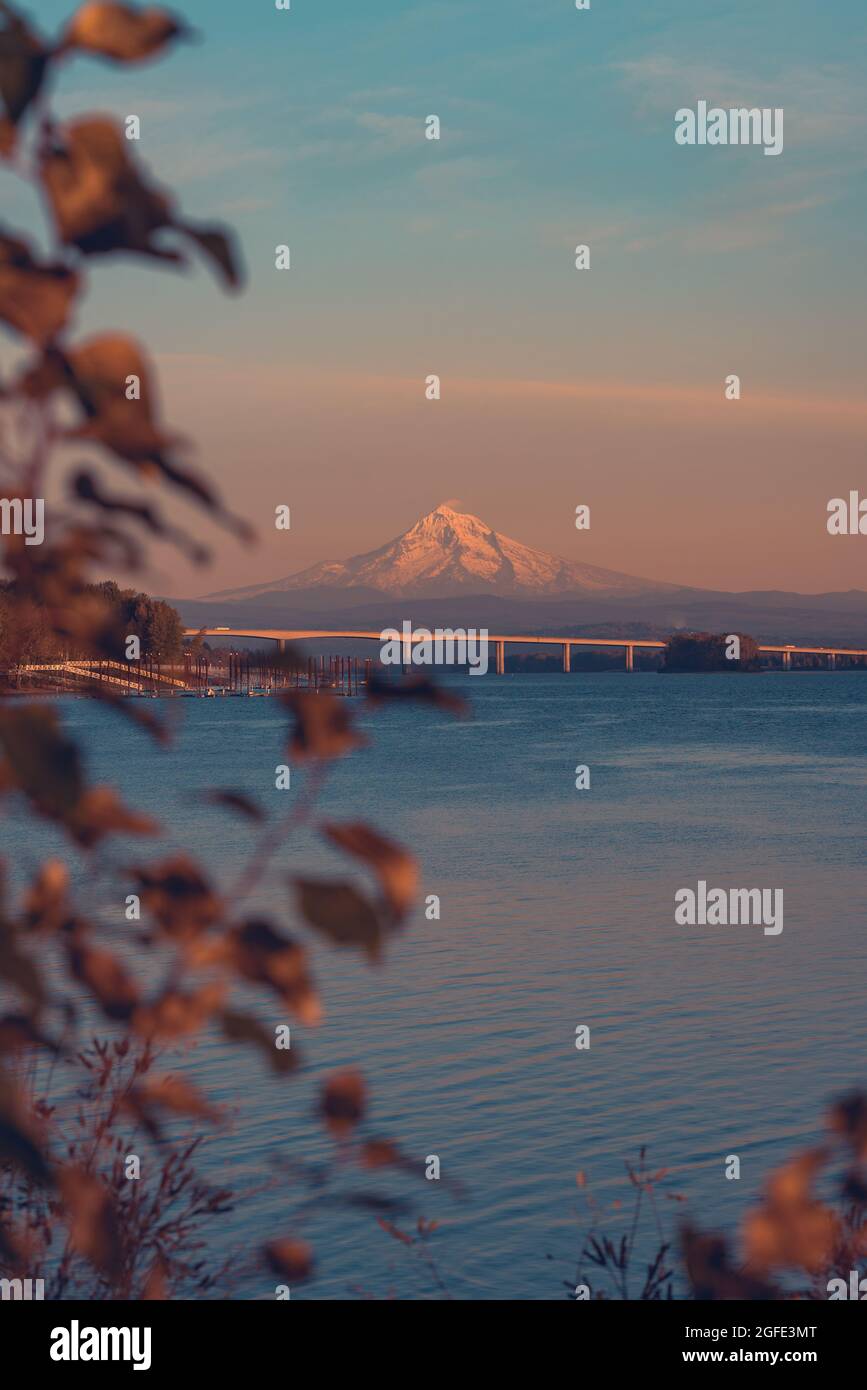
(556, 910)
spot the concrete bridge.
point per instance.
(498, 640)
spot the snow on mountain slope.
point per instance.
(450, 552)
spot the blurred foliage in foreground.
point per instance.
(67, 1211)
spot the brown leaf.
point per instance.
(848, 1118)
(93, 1226)
(791, 1228)
(179, 896)
(384, 1153)
(343, 1102)
(711, 1274)
(395, 868)
(291, 1259)
(46, 907)
(23, 60)
(261, 954)
(98, 371)
(34, 299)
(19, 1145)
(18, 968)
(42, 761)
(218, 246)
(237, 801)
(121, 32)
(176, 1014)
(323, 725)
(101, 203)
(105, 977)
(341, 913)
(100, 812)
(85, 489)
(241, 1028)
(175, 1094)
(420, 688)
(17, 1030)
(7, 138)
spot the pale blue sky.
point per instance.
(412, 256)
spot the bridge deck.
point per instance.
(291, 634)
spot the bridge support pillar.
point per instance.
(281, 645)
(629, 657)
(567, 657)
(501, 658)
(832, 661)
(787, 661)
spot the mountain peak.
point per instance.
(449, 552)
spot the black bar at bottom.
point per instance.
(265, 1339)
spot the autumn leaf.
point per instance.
(19, 969)
(100, 812)
(384, 1153)
(323, 725)
(93, 1225)
(341, 913)
(712, 1274)
(121, 33)
(35, 299)
(420, 688)
(291, 1259)
(179, 896)
(43, 762)
(343, 1101)
(19, 1145)
(18, 1030)
(380, 1153)
(101, 203)
(99, 371)
(178, 1014)
(111, 378)
(105, 977)
(241, 1028)
(218, 247)
(245, 806)
(46, 907)
(175, 1094)
(394, 867)
(85, 489)
(23, 61)
(791, 1227)
(260, 954)
(848, 1118)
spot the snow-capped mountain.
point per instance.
(450, 552)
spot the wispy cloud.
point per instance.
(341, 135)
(462, 173)
(821, 103)
(268, 381)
